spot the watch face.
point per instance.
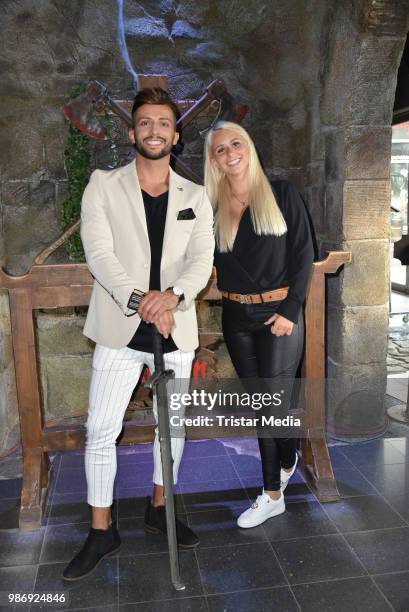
(177, 291)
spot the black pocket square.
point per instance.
(186, 214)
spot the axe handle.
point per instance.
(213, 92)
(185, 171)
(45, 253)
(118, 110)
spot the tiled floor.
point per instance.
(348, 555)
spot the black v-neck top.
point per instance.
(262, 263)
(155, 212)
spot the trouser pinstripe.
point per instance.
(115, 373)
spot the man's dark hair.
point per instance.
(154, 95)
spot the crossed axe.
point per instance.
(85, 111)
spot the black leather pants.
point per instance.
(257, 353)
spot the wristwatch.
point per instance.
(178, 291)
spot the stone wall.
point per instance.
(364, 46)
(319, 78)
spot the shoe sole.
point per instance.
(110, 554)
(263, 521)
(156, 531)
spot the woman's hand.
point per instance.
(280, 326)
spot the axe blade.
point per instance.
(230, 110)
(81, 111)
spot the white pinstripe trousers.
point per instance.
(115, 373)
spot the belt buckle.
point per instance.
(245, 299)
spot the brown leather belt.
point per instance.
(257, 298)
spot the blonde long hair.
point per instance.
(265, 213)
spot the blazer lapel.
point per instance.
(176, 195)
(132, 192)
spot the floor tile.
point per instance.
(137, 453)
(219, 528)
(351, 483)
(341, 595)
(299, 520)
(136, 542)
(190, 604)
(402, 444)
(68, 508)
(201, 470)
(383, 550)
(19, 579)
(131, 462)
(246, 466)
(320, 558)
(237, 568)
(70, 480)
(143, 450)
(395, 588)
(375, 452)
(203, 448)
(134, 503)
(10, 488)
(62, 542)
(70, 459)
(100, 586)
(113, 608)
(400, 503)
(133, 475)
(147, 578)
(260, 600)
(9, 513)
(242, 446)
(338, 459)
(213, 495)
(362, 514)
(18, 547)
(389, 480)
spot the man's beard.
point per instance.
(153, 155)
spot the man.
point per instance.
(148, 240)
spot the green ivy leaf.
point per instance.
(77, 165)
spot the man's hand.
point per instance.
(280, 325)
(165, 323)
(155, 303)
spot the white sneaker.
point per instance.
(262, 509)
(285, 476)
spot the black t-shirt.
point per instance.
(155, 212)
(262, 263)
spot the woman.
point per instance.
(263, 259)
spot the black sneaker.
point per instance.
(155, 522)
(99, 544)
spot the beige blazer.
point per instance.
(116, 244)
